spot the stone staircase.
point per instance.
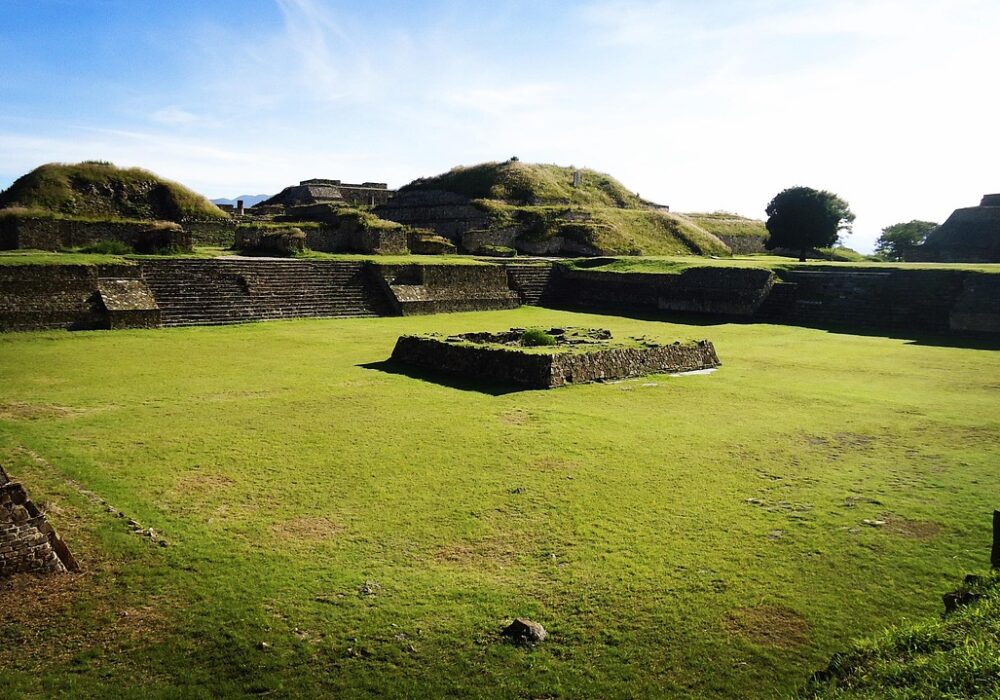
(219, 291)
(532, 282)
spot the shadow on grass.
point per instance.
(448, 380)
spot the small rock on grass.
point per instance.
(524, 632)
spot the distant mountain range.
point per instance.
(248, 199)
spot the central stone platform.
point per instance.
(546, 359)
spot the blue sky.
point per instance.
(700, 105)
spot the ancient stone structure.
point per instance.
(420, 289)
(579, 357)
(969, 235)
(28, 544)
(712, 290)
(316, 191)
(194, 291)
(40, 233)
(75, 297)
(212, 292)
(446, 213)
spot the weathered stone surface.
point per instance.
(17, 232)
(467, 356)
(28, 544)
(426, 289)
(524, 632)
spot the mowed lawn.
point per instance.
(339, 530)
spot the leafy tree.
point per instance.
(801, 218)
(899, 241)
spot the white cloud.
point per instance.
(174, 116)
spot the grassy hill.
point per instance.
(722, 223)
(520, 183)
(542, 203)
(96, 189)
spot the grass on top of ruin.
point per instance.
(338, 528)
(678, 263)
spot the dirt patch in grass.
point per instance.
(305, 530)
(516, 417)
(19, 411)
(769, 625)
(554, 464)
(912, 529)
(41, 626)
(203, 483)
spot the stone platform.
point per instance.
(578, 356)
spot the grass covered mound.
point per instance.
(722, 223)
(515, 182)
(562, 210)
(95, 189)
(957, 656)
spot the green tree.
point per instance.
(899, 241)
(801, 218)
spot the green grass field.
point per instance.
(340, 530)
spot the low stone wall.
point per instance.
(744, 245)
(428, 289)
(28, 544)
(35, 297)
(350, 237)
(212, 232)
(548, 370)
(59, 234)
(723, 291)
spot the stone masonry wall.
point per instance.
(28, 544)
(724, 291)
(34, 297)
(547, 370)
(17, 233)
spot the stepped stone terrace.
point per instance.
(562, 356)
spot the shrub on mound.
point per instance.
(536, 337)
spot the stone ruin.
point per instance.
(576, 355)
(971, 235)
(28, 544)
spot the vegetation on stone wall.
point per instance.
(102, 190)
(554, 210)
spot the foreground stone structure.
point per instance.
(28, 544)
(581, 356)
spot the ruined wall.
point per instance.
(28, 544)
(914, 300)
(548, 370)
(447, 214)
(429, 289)
(743, 245)
(725, 291)
(34, 297)
(59, 234)
(212, 232)
(350, 236)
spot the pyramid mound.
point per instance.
(101, 190)
(542, 209)
(514, 182)
(969, 235)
